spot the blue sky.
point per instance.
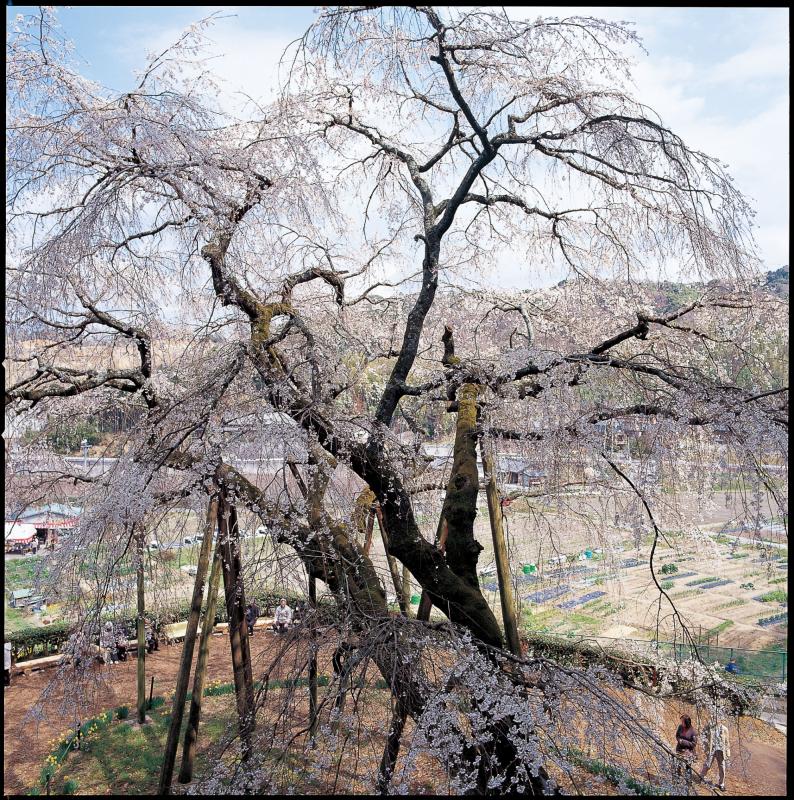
(717, 76)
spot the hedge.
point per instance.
(34, 642)
(31, 642)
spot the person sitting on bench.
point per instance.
(152, 639)
(282, 617)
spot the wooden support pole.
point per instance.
(406, 587)
(392, 562)
(500, 550)
(141, 665)
(183, 677)
(199, 678)
(369, 529)
(229, 540)
(426, 604)
(313, 659)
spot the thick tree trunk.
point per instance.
(229, 540)
(460, 503)
(313, 660)
(392, 747)
(337, 559)
(183, 677)
(141, 625)
(191, 732)
(500, 550)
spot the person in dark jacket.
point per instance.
(251, 616)
(686, 741)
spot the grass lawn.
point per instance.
(14, 620)
(125, 758)
(20, 573)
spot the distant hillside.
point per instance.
(669, 295)
(777, 282)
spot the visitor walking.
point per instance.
(718, 749)
(282, 616)
(686, 742)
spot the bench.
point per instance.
(262, 622)
(176, 632)
(34, 664)
(130, 647)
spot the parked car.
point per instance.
(187, 540)
(154, 545)
(262, 531)
(191, 569)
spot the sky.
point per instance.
(719, 77)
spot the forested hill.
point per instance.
(777, 282)
(670, 295)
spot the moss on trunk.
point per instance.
(460, 504)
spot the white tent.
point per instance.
(19, 533)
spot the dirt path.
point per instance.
(761, 771)
(27, 740)
(758, 766)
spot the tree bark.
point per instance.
(460, 503)
(500, 550)
(141, 665)
(183, 676)
(191, 732)
(312, 660)
(229, 540)
(392, 747)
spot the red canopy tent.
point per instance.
(19, 535)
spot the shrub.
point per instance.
(70, 786)
(32, 642)
(67, 436)
(613, 774)
(122, 712)
(667, 585)
(669, 569)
